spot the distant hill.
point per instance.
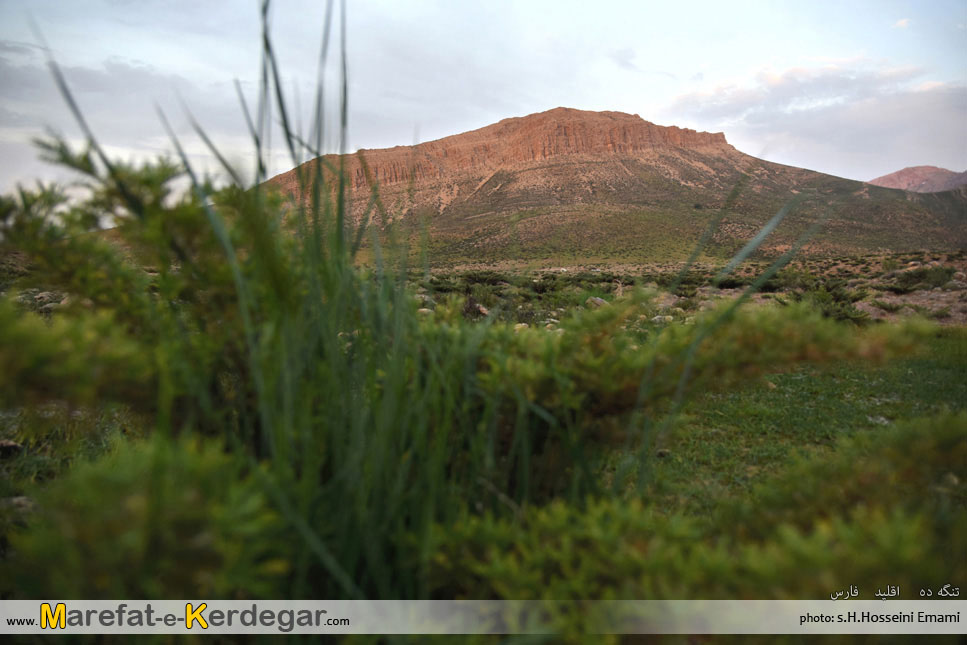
(570, 184)
(922, 179)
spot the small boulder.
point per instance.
(9, 448)
(45, 296)
(473, 309)
(19, 504)
(595, 303)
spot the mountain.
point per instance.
(922, 179)
(544, 152)
(571, 184)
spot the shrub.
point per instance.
(921, 278)
(483, 277)
(889, 307)
(152, 520)
(731, 282)
(829, 296)
(897, 497)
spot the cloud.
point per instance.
(903, 23)
(13, 118)
(118, 95)
(854, 122)
(624, 58)
(118, 99)
(926, 86)
(17, 48)
(787, 92)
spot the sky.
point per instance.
(856, 89)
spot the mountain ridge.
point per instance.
(536, 137)
(569, 182)
(922, 179)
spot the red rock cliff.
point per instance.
(922, 179)
(513, 142)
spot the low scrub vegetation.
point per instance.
(227, 373)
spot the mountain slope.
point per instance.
(569, 184)
(922, 179)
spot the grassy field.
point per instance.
(726, 444)
(209, 371)
(811, 445)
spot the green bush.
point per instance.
(919, 466)
(483, 277)
(889, 307)
(921, 278)
(158, 519)
(897, 497)
(731, 282)
(835, 302)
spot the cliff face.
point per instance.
(922, 179)
(607, 184)
(561, 135)
(538, 137)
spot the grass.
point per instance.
(728, 443)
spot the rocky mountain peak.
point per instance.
(513, 142)
(922, 179)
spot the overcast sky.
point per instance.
(856, 89)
